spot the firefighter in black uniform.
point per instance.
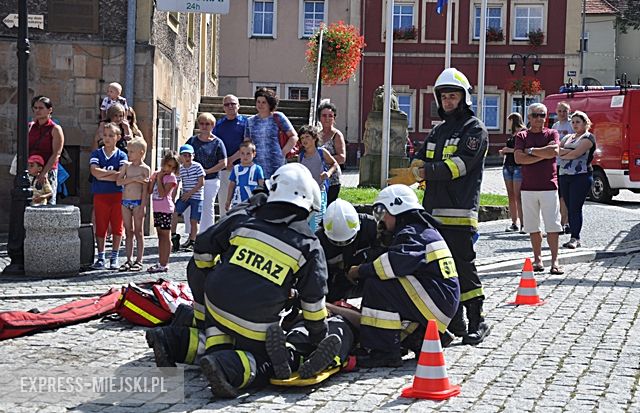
(262, 257)
(415, 280)
(453, 156)
(348, 239)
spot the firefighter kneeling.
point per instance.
(416, 280)
(263, 255)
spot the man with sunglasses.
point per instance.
(230, 129)
(348, 239)
(536, 150)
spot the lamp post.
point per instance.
(512, 68)
(21, 193)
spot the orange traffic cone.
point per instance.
(528, 288)
(430, 381)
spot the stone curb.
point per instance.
(501, 265)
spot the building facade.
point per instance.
(419, 54)
(263, 43)
(79, 49)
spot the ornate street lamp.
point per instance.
(512, 68)
(21, 193)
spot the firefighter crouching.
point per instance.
(262, 257)
(415, 280)
(348, 239)
(453, 156)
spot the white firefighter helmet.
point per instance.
(395, 199)
(452, 78)
(341, 222)
(293, 183)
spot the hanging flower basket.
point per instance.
(527, 85)
(342, 51)
(405, 33)
(495, 34)
(536, 37)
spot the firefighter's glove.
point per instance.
(407, 176)
(353, 275)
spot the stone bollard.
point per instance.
(52, 244)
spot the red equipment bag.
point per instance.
(283, 138)
(152, 303)
(19, 323)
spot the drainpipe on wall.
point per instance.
(584, 17)
(130, 52)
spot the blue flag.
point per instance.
(440, 6)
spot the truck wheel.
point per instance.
(600, 190)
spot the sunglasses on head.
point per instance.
(539, 115)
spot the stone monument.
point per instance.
(371, 161)
(52, 244)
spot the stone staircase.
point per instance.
(298, 111)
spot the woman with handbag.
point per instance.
(47, 140)
(264, 130)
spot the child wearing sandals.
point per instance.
(161, 186)
(134, 176)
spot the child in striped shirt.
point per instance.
(192, 178)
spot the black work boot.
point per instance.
(377, 358)
(175, 242)
(446, 339)
(276, 346)
(322, 357)
(220, 385)
(157, 340)
(457, 326)
(478, 329)
(183, 317)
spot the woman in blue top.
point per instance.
(575, 172)
(321, 164)
(263, 129)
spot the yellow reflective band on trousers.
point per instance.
(246, 367)
(456, 217)
(216, 337)
(192, 351)
(383, 268)
(420, 298)
(131, 306)
(314, 311)
(380, 319)
(478, 292)
(248, 329)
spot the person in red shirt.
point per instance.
(536, 150)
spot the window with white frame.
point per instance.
(516, 103)
(490, 110)
(494, 19)
(527, 19)
(313, 13)
(298, 92)
(403, 15)
(585, 42)
(405, 103)
(262, 22)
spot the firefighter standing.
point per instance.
(453, 156)
(348, 239)
(404, 283)
(262, 257)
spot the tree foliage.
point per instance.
(628, 15)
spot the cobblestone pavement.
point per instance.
(579, 351)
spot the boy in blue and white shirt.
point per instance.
(192, 178)
(245, 176)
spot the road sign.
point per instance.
(571, 73)
(34, 21)
(194, 6)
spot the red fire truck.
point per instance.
(615, 115)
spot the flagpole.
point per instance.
(481, 59)
(447, 52)
(386, 107)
